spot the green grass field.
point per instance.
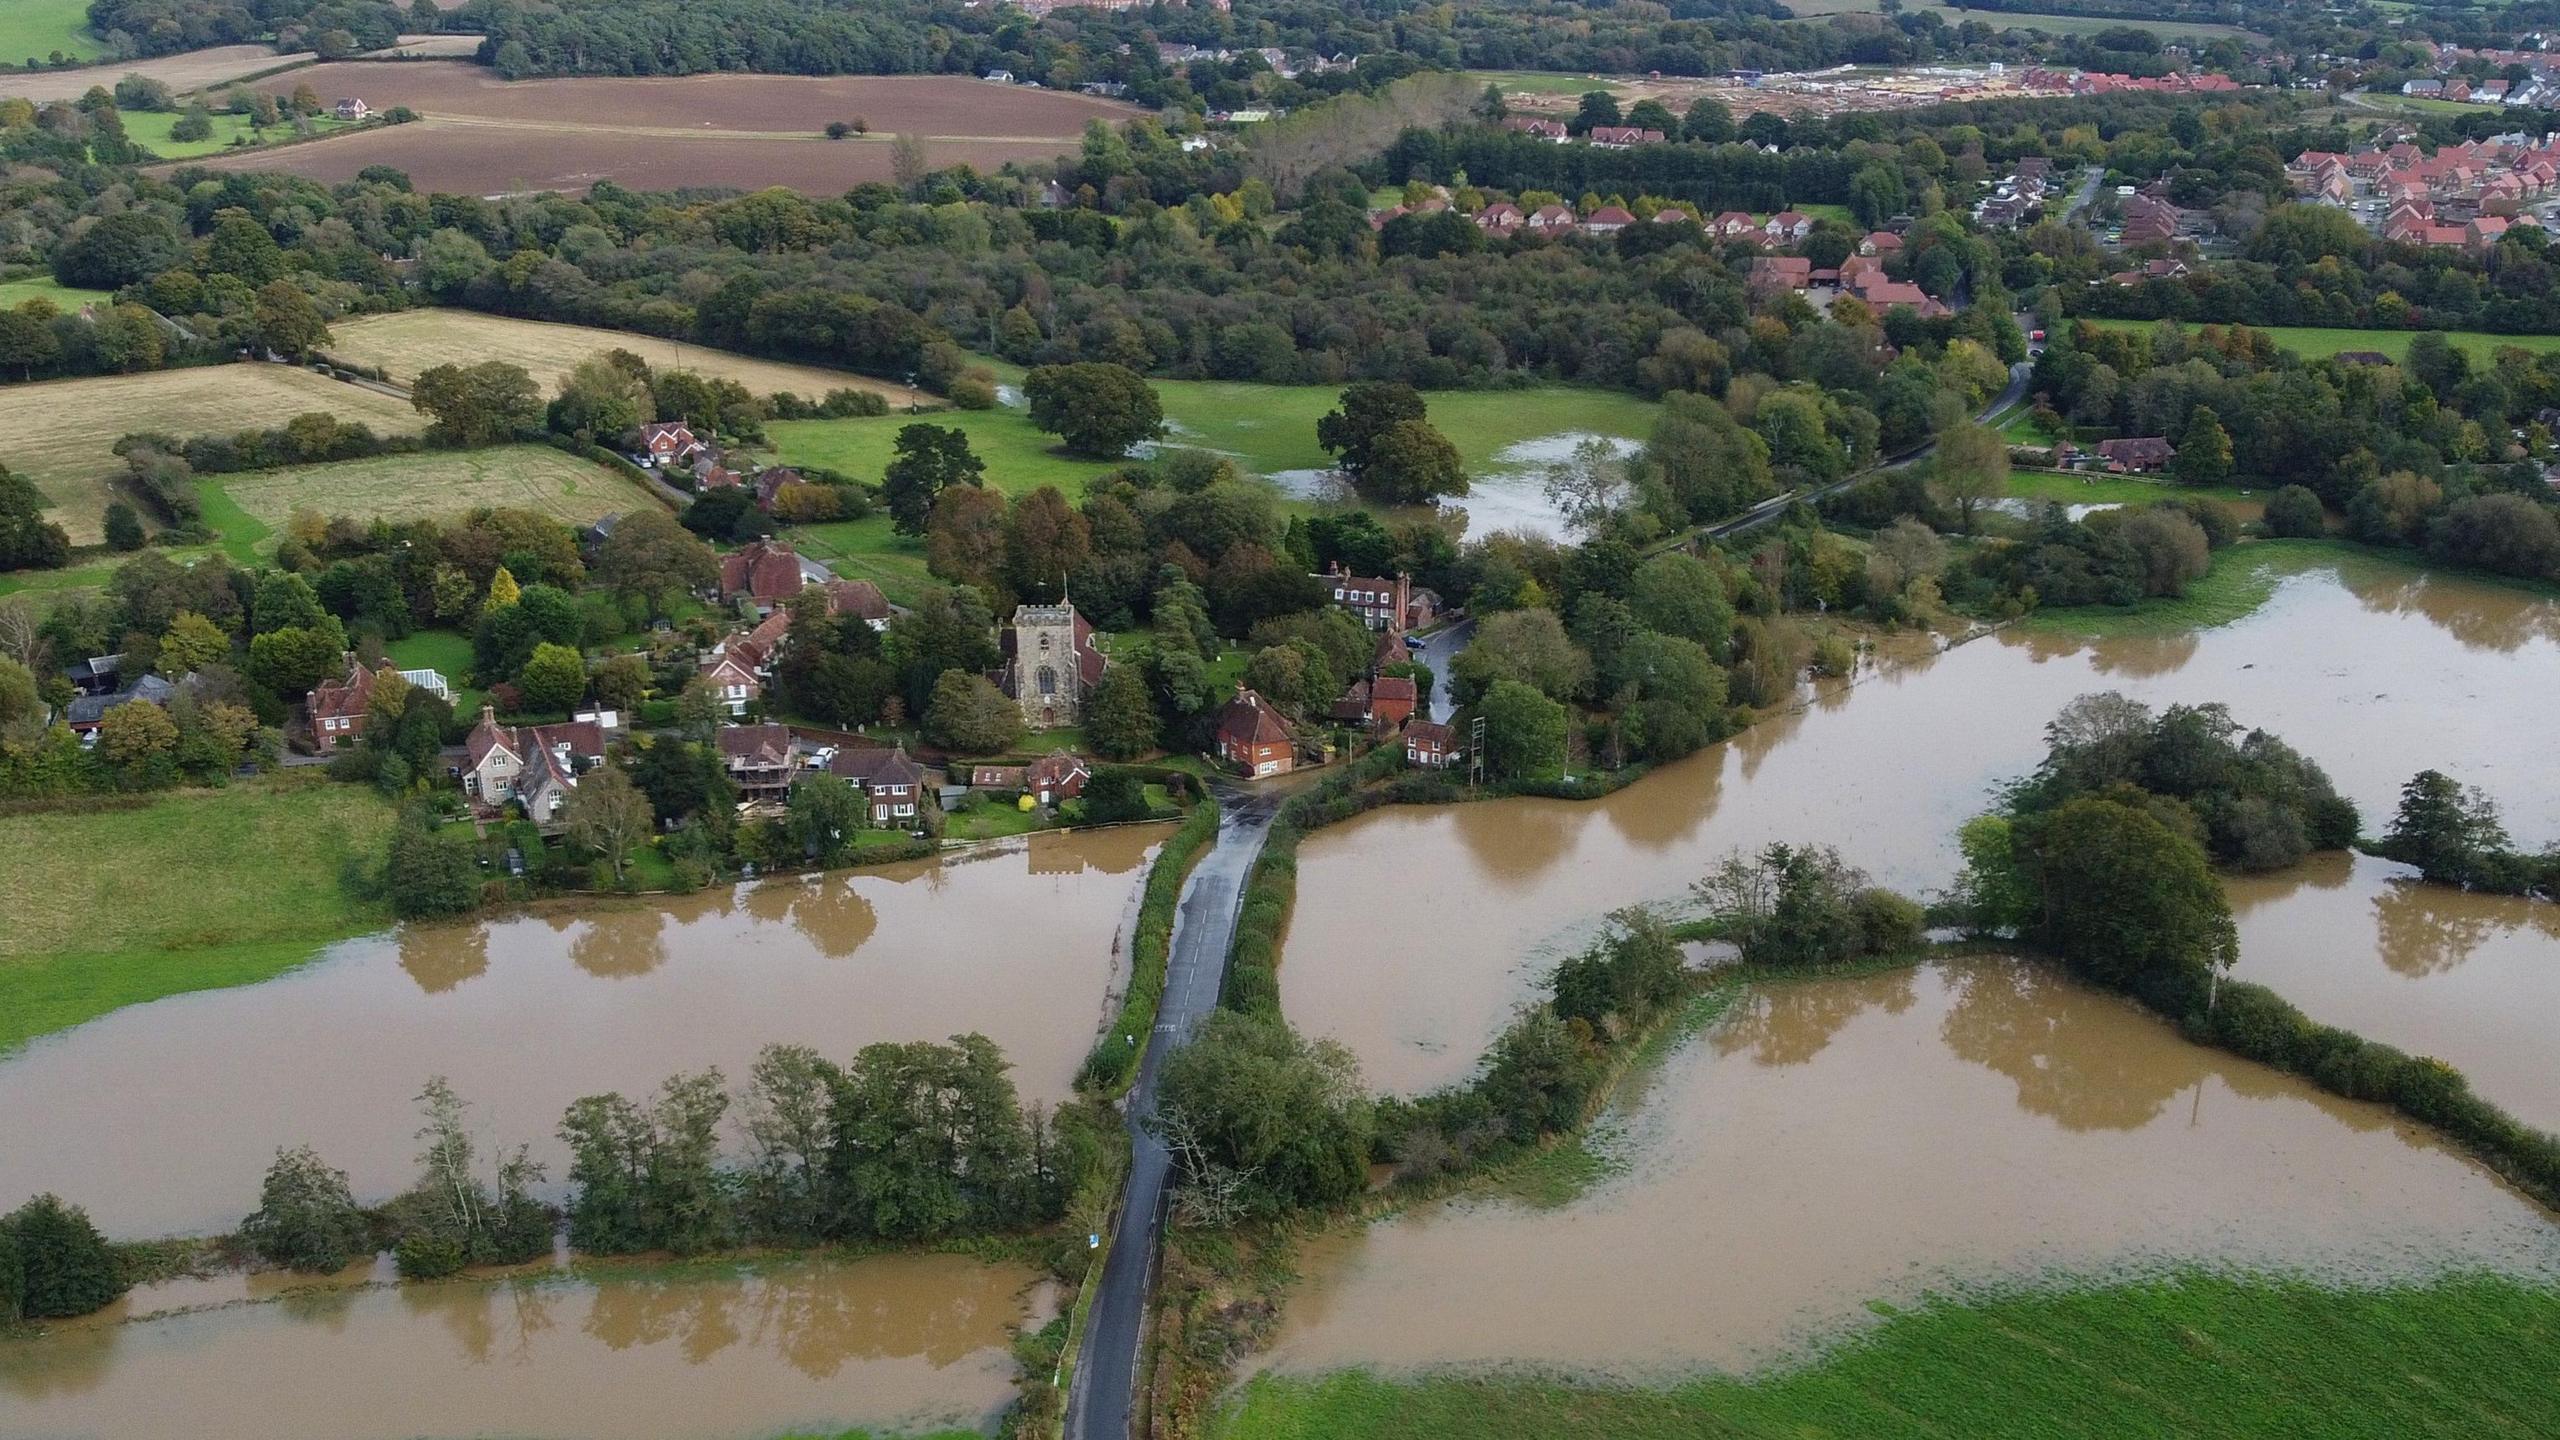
(249, 508)
(2313, 342)
(2200, 1356)
(195, 891)
(150, 129)
(14, 293)
(35, 29)
(2095, 489)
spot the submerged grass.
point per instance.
(2242, 578)
(196, 890)
(2197, 1354)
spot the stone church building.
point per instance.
(1051, 663)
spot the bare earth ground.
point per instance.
(414, 340)
(404, 487)
(793, 105)
(198, 69)
(481, 158)
(62, 432)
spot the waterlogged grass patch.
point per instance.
(2196, 1354)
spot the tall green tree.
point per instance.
(1095, 407)
(928, 460)
(306, 1217)
(64, 1265)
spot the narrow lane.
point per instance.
(1104, 1402)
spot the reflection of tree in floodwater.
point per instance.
(439, 957)
(2141, 657)
(1670, 804)
(1790, 1024)
(831, 912)
(72, 1361)
(499, 1320)
(2482, 616)
(2323, 870)
(2074, 1057)
(2425, 929)
(622, 942)
(647, 1310)
(1515, 841)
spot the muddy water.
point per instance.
(2373, 675)
(897, 1341)
(2470, 979)
(161, 1118)
(1833, 1143)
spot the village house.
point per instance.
(1381, 604)
(1620, 137)
(1879, 244)
(771, 482)
(2137, 455)
(888, 779)
(1054, 777)
(735, 666)
(1380, 703)
(762, 760)
(765, 572)
(1254, 738)
(338, 707)
(535, 765)
(1432, 745)
(1732, 225)
(1772, 274)
(1551, 220)
(95, 675)
(86, 712)
(1789, 227)
(859, 598)
(1607, 220)
(668, 442)
(351, 108)
(1500, 218)
(1551, 131)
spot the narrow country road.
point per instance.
(1103, 1404)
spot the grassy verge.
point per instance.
(2196, 1355)
(198, 890)
(1114, 1061)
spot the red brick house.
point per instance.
(668, 442)
(338, 706)
(1431, 745)
(1253, 738)
(893, 783)
(1381, 604)
(766, 571)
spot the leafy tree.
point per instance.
(602, 399)
(1120, 716)
(2449, 830)
(606, 813)
(1350, 432)
(552, 679)
(827, 816)
(1529, 646)
(1045, 541)
(1096, 407)
(1679, 594)
(306, 1218)
(1598, 107)
(1263, 1119)
(1802, 905)
(2123, 898)
(1524, 731)
(124, 527)
(2204, 451)
(134, 735)
(287, 321)
(970, 716)
(1412, 464)
(1115, 794)
(1971, 469)
(928, 460)
(482, 404)
(429, 874)
(620, 683)
(125, 248)
(64, 1266)
(651, 556)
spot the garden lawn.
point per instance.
(2315, 342)
(15, 293)
(35, 29)
(196, 890)
(2098, 489)
(448, 653)
(2198, 1355)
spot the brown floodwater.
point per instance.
(2375, 674)
(161, 1118)
(894, 1341)
(2473, 980)
(1833, 1143)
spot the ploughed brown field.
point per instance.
(486, 136)
(211, 67)
(794, 106)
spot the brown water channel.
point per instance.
(895, 1341)
(1832, 1143)
(1417, 931)
(161, 1118)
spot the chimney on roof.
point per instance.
(488, 714)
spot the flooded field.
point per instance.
(1834, 1143)
(901, 1342)
(2470, 979)
(161, 1118)
(2375, 674)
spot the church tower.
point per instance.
(1051, 662)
